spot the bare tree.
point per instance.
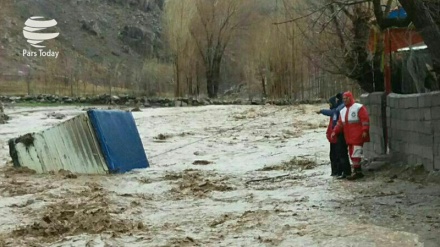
(177, 18)
(339, 30)
(213, 26)
(426, 17)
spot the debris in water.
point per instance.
(202, 162)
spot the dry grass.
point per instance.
(20, 88)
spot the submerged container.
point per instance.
(96, 142)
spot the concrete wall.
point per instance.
(376, 105)
(413, 125)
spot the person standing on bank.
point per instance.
(340, 164)
(354, 123)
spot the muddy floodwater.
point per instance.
(219, 176)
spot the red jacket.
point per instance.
(353, 120)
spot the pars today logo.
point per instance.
(33, 32)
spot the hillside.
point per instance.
(99, 31)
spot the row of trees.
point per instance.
(229, 42)
(212, 45)
(75, 75)
(280, 48)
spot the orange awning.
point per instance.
(394, 39)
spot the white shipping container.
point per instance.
(70, 146)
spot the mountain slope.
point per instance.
(102, 31)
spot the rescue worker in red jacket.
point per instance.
(340, 163)
(354, 122)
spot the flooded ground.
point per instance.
(219, 176)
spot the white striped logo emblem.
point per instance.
(32, 30)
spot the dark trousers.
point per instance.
(339, 159)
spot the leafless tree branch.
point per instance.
(322, 8)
